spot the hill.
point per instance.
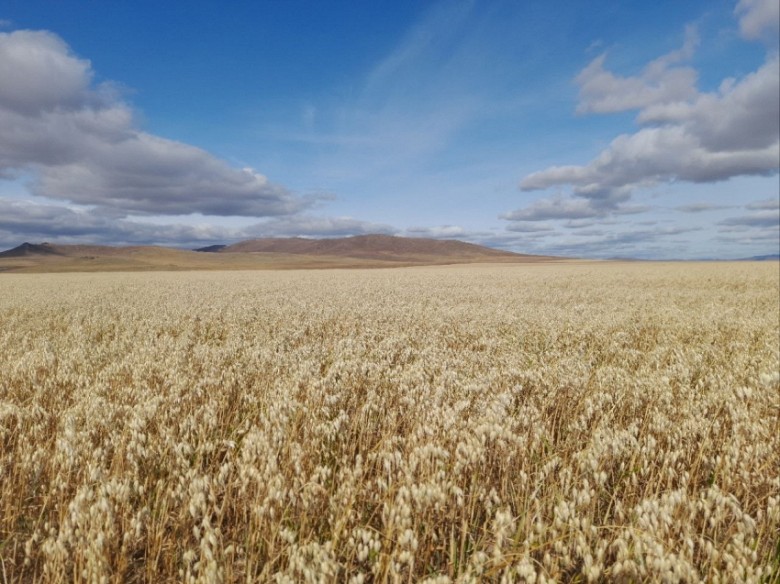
(210, 248)
(373, 247)
(363, 251)
(773, 257)
(50, 249)
(29, 249)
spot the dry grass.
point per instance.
(511, 423)
(167, 260)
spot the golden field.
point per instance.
(558, 422)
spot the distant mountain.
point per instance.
(67, 250)
(374, 247)
(211, 248)
(772, 257)
(362, 251)
(30, 249)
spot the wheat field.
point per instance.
(569, 422)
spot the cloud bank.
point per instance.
(685, 135)
(64, 224)
(82, 145)
(712, 137)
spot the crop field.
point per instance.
(514, 423)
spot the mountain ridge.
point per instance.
(29, 249)
(361, 251)
(365, 246)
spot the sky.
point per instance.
(610, 128)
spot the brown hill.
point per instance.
(374, 247)
(47, 257)
(63, 250)
(364, 251)
(29, 249)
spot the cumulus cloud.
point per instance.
(684, 135)
(601, 91)
(40, 73)
(742, 116)
(309, 226)
(714, 137)
(82, 144)
(759, 19)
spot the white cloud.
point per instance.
(684, 135)
(310, 226)
(635, 242)
(81, 142)
(751, 237)
(555, 208)
(760, 219)
(571, 209)
(32, 221)
(40, 73)
(24, 220)
(660, 82)
(764, 204)
(710, 137)
(759, 19)
(741, 116)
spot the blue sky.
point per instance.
(596, 129)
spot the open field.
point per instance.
(167, 260)
(569, 422)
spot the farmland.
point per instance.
(550, 422)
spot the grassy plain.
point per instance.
(569, 422)
(169, 260)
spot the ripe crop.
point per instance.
(535, 423)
